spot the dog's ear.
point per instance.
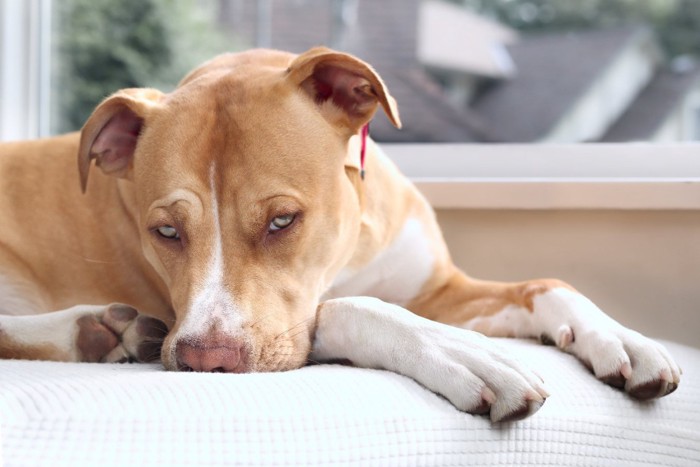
(336, 80)
(112, 131)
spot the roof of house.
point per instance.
(653, 106)
(546, 84)
(485, 55)
(425, 113)
(548, 81)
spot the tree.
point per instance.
(676, 22)
(102, 46)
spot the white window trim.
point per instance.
(25, 61)
(570, 176)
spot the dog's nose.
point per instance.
(222, 357)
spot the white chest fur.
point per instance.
(396, 274)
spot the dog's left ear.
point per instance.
(112, 131)
(338, 81)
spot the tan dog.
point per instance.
(234, 211)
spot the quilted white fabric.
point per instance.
(60, 414)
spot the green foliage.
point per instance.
(676, 22)
(103, 45)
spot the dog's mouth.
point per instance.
(217, 354)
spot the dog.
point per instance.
(245, 222)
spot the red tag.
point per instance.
(363, 150)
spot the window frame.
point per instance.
(25, 64)
(626, 176)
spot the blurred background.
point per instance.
(461, 70)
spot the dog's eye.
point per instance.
(281, 222)
(169, 232)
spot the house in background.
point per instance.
(460, 77)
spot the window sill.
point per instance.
(528, 176)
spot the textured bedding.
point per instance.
(59, 414)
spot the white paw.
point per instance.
(626, 359)
(476, 375)
(465, 367)
(617, 356)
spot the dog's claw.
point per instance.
(527, 408)
(524, 411)
(94, 339)
(501, 413)
(515, 415)
(481, 409)
(565, 336)
(488, 398)
(150, 334)
(653, 389)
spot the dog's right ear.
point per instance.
(346, 90)
(112, 131)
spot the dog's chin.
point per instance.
(283, 356)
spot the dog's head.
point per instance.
(238, 186)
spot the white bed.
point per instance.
(59, 414)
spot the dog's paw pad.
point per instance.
(117, 355)
(94, 340)
(119, 316)
(119, 333)
(146, 339)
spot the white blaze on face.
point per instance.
(212, 304)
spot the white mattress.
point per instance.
(58, 414)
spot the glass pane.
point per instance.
(462, 71)
(101, 46)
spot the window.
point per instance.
(469, 71)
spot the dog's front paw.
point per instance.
(465, 367)
(618, 356)
(477, 376)
(119, 333)
(626, 359)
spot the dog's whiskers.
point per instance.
(295, 326)
(292, 336)
(259, 320)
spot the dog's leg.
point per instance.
(112, 333)
(555, 313)
(467, 368)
